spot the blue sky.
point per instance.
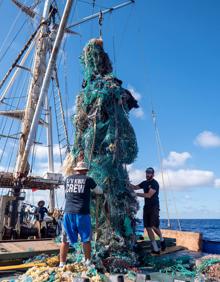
(168, 54)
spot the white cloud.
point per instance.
(134, 93)
(42, 166)
(138, 113)
(207, 139)
(175, 159)
(217, 183)
(41, 152)
(186, 178)
(135, 175)
(176, 179)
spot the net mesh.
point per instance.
(106, 141)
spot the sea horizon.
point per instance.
(209, 228)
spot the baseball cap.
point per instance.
(150, 170)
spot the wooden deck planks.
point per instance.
(20, 250)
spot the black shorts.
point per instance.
(151, 217)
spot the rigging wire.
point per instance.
(66, 88)
(159, 151)
(31, 38)
(113, 44)
(93, 3)
(62, 112)
(18, 102)
(17, 71)
(16, 106)
(3, 126)
(13, 40)
(129, 17)
(92, 27)
(10, 30)
(81, 47)
(61, 160)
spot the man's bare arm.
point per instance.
(147, 195)
(134, 187)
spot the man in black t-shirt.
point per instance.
(151, 208)
(76, 218)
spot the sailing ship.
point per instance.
(33, 111)
(25, 117)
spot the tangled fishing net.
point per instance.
(106, 141)
(46, 268)
(209, 267)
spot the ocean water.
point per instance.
(210, 228)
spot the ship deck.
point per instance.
(32, 182)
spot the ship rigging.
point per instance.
(25, 116)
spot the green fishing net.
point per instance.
(106, 140)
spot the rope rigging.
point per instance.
(9, 33)
(62, 112)
(5, 126)
(20, 55)
(160, 152)
(13, 40)
(17, 71)
(52, 13)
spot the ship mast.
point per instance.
(36, 98)
(38, 70)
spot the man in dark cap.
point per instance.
(39, 214)
(151, 208)
(41, 211)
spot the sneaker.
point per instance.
(163, 245)
(155, 252)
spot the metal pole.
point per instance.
(103, 12)
(49, 136)
(46, 80)
(50, 150)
